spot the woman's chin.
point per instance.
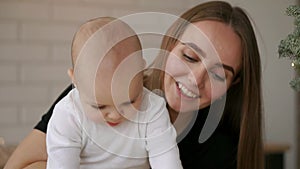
(183, 107)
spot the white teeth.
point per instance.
(186, 91)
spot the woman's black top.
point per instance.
(218, 152)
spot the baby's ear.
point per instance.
(71, 75)
(144, 63)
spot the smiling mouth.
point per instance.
(112, 124)
(186, 92)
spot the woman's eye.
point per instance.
(189, 58)
(218, 77)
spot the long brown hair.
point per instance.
(243, 109)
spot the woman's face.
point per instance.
(202, 65)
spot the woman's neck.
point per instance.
(181, 120)
(173, 114)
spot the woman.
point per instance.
(190, 83)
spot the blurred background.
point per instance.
(35, 40)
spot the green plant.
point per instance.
(290, 46)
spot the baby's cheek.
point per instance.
(93, 114)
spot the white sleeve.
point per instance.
(63, 138)
(161, 141)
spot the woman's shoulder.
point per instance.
(68, 107)
(152, 100)
(43, 123)
(219, 151)
(67, 102)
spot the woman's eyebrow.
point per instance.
(226, 67)
(195, 48)
(203, 54)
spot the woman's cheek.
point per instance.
(170, 66)
(175, 66)
(217, 92)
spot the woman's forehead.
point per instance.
(197, 39)
(214, 38)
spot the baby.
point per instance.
(109, 120)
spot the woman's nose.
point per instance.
(197, 75)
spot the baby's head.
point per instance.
(107, 68)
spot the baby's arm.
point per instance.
(63, 138)
(167, 160)
(161, 141)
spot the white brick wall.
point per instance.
(23, 52)
(8, 30)
(14, 94)
(11, 115)
(35, 39)
(24, 10)
(8, 73)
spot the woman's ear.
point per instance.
(236, 81)
(71, 75)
